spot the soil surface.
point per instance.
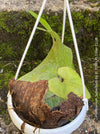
(52, 5)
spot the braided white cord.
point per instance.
(30, 39)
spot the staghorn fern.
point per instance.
(58, 69)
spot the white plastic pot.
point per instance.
(28, 129)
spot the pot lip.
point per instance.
(19, 122)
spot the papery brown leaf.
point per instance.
(28, 99)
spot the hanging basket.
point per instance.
(28, 129)
(69, 128)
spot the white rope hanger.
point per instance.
(66, 6)
(76, 46)
(64, 21)
(30, 39)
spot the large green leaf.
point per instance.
(59, 56)
(71, 82)
(59, 62)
